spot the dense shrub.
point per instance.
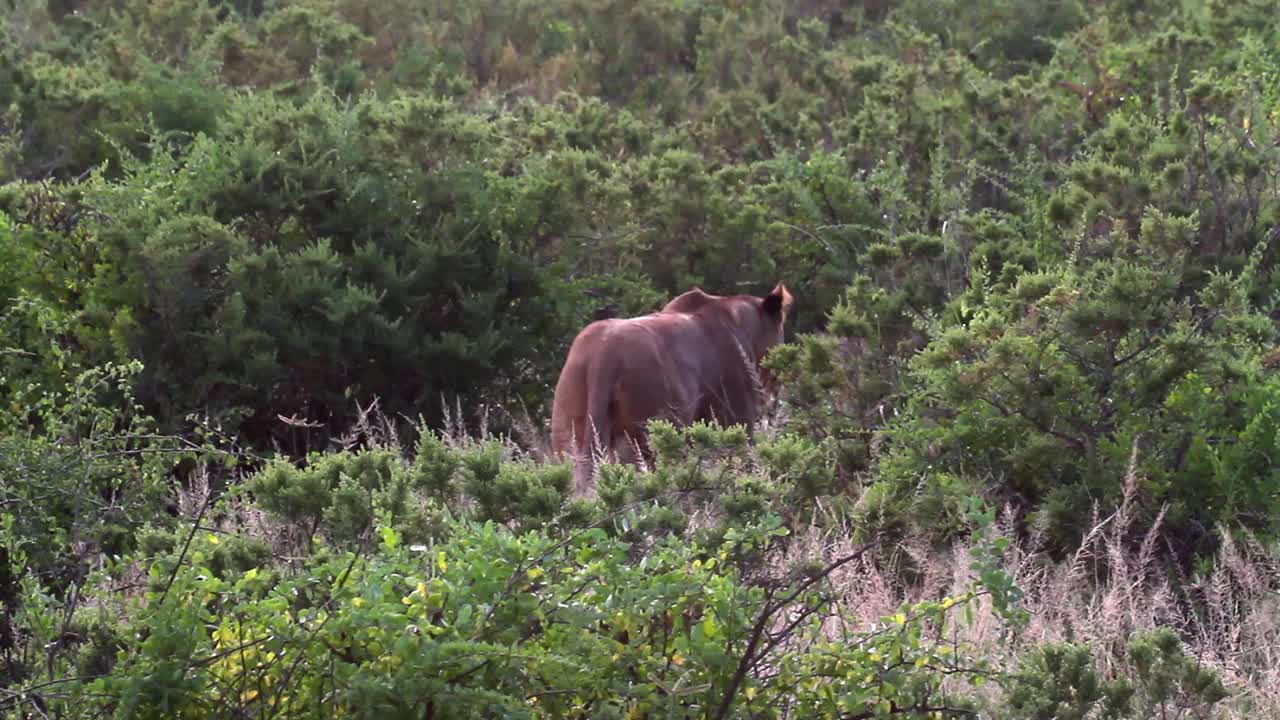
(494, 622)
(1162, 680)
(1033, 246)
(82, 475)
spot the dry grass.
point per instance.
(1113, 586)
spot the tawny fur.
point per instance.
(696, 359)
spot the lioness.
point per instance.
(696, 359)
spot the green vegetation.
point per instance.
(285, 287)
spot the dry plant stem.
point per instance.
(195, 527)
(749, 656)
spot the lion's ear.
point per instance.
(778, 300)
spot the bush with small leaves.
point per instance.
(528, 494)
(1062, 680)
(434, 467)
(532, 624)
(338, 492)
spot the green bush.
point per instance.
(1025, 240)
(1163, 681)
(497, 622)
(80, 484)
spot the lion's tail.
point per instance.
(568, 404)
(597, 429)
(580, 421)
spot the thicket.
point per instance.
(1034, 249)
(458, 580)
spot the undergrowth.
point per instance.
(458, 578)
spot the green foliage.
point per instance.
(1018, 33)
(1040, 396)
(83, 483)
(497, 622)
(79, 485)
(1063, 681)
(434, 463)
(1033, 246)
(988, 562)
(342, 494)
(353, 228)
(706, 470)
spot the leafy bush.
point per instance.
(1063, 681)
(1034, 255)
(1039, 397)
(77, 488)
(492, 621)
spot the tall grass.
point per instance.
(1118, 582)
